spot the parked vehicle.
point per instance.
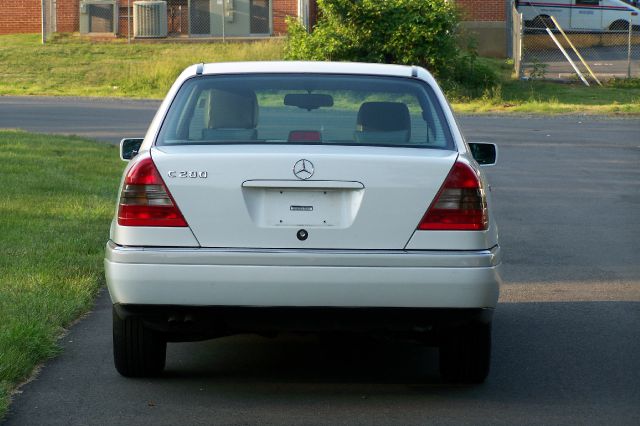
(590, 15)
(304, 196)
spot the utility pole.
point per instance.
(44, 27)
(629, 49)
(224, 18)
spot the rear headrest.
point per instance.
(233, 109)
(383, 117)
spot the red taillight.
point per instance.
(460, 204)
(145, 199)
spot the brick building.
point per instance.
(175, 17)
(20, 16)
(25, 16)
(484, 19)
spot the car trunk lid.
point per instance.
(252, 196)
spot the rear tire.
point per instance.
(465, 353)
(542, 22)
(619, 26)
(137, 351)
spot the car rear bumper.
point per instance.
(309, 278)
(189, 323)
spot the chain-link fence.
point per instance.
(583, 44)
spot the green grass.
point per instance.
(538, 97)
(57, 198)
(544, 97)
(70, 66)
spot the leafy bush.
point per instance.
(470, 77)
(409, 32)
(624, 83)
(538, 70)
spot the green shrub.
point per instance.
(409, 32)
(470, 76)
(624, 83)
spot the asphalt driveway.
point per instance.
(566, 333)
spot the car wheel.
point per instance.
(465, 353)
(543, 21)
(619, 26)
(137, 351)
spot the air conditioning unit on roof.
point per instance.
(150, 19)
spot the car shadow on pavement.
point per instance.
(544, 351)
(303, 358)
(553, 363)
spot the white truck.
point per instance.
(581, 15)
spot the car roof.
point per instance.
(308, 67)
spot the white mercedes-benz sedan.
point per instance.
(275, 197)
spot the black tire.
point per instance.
(137, 351)
(465, 353)
(542, 22)
(619, 26)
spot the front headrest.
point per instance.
(233, 109)
(383, 117)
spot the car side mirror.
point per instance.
(486, 154)
(129, 148)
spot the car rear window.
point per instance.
(306, 109)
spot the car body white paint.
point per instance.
(574, 15)
(385, 262)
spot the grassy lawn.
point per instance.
(69, 66)
(544, 97)
(57, 199)
(538, 97)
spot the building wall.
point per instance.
(24, 16)
(482, 10)
(280, 10)
(485, 20)
(313, 14)
(68, 15)
(20, 16)
(123, 20)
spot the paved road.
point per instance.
(567, 333)
(107, 120)
(611, 59)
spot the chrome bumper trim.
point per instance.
(312, 257)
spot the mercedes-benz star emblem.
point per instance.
(303, 169)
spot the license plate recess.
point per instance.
(320, 206)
